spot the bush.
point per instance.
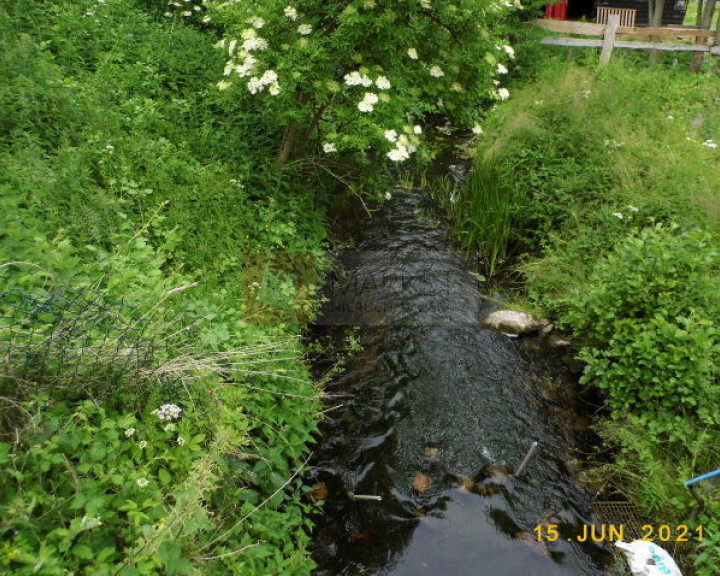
(647, 323)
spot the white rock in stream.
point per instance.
(514, 322)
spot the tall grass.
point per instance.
(482, 213)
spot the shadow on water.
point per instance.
(435, 410)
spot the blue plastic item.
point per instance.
(702, 477)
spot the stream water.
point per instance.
(431, 414)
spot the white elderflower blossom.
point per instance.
(618, 215)
(129, 432)
(709, 144)
(456, 87)
(254, 44)
(477, 129)
(436, 72)
(247, 67)
(329, 147)
(168, 412)
(248, 34)
(219, 44)
(290, 12)
(399, 154)
(304, 29)
(142, 482)
(268, 77)
(187, 13)
(382, 83)
(365, 106)
(509, 51)
(256, 22)
(357, 79)
(503, 93)
(254, 85)
(370, 98)
(142, 444)
(388, 196)
(206, 19)
(417, 129)
(425, 4)
(501, 69)
(223, 85)
(274, 89)
(231, 47)
(180, 441)
(390, 135)
(412, 53)
(632, 208)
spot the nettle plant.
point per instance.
(352, 76)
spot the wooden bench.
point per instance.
(627, 15)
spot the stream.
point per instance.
(431, 415)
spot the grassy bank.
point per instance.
(132, 195)
(605, 187)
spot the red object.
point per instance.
(557, 11)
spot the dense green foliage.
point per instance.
(608, 183)
(158, 263)
(127, 175)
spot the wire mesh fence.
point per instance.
(79, 342)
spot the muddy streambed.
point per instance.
(432, 413)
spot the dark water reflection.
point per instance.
(435, 409)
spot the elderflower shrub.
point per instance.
(348, 74)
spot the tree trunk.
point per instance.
(287, 145)
(655, 14)
(704, 23)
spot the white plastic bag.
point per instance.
(648, 559)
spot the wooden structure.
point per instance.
(673, 11)
(627, 15)
(704, 39)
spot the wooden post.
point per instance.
(609, 38)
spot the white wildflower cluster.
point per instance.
(501, 69)
(405, 144)
(129, 432)
(329, 147)
(456, 87)
(290, 12)
(477, 129)
(412, 53)
(252, 44)
(183, 8)
(168, 412)
(256, 22)
(142, 482)
(383, 83)
(503, 93)
(244, 63)
(357, 79)
(368, 102)
(269, 78)
(142, 444)
(436, 72)
(509, 51)
(618, 215)
(425, 4)
(710, 144)
(304, 29)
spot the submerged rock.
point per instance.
(514, 322)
